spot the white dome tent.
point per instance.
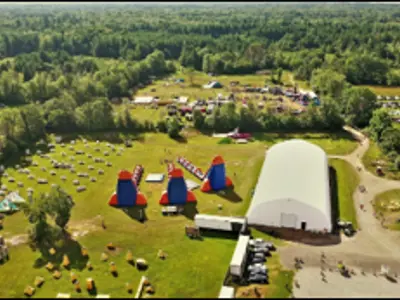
(293, 188)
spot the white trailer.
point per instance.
(238, 262)
(218, 222)
(227, 292)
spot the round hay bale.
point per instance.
(71, 148)
(17, 167)
(97, 149)
(54, 185)
(31, 177)
(79, 152)
(75, 182)
(43, 169)
(81, 162)
(62, 145)
(20, 184)
(35, 164)
(97, 142)
(89, 155)
(73, 142)
(108, 164)
(2, 193)
(4, 187)
(100, 172)
(63, 154)
(53, 173)
(11, 179)
(72, 170)
(93, 179)
(63, 178)
(42, 181)
(71, 158)
(91, 168)
(84, 141)
(52, 150)
(27, 171)
(20, 171)
(27, 152)
(30, 190)
(118, 153)
(5, 175)
(108, 145)
(105, 153)
(87, 146)
(81, 188)
(38, 152)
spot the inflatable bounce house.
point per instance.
(215, 178)
(177, 192)
(127, 194)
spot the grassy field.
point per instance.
(387, 208)
(383, 90)
(347, 182)
(374, 155)
(198, 272)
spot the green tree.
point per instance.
(379, 122)
(358, 105)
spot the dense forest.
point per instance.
(50, 56)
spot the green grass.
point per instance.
(391, 215)
(288, 78)
(340, 143)
(374, 155)
(383, 90)
(347, 182)
(198, 266)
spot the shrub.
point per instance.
(225, 141)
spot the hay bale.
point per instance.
(27, 171)
(104, 256)
(11, 179)
(2, 193)
(79, 152)
(29, 291)
(57, 274)
(71, 148)
(110, 246)
(72, 170)
(149, 290)
(38, 152)
(108, 164)
(63, 178)
(31, 177)
(75, 182)
(82, 175)
(39, 281)
(89, 155)
(91, 168)
(20, 184)
(81, 163)
(42, 181)
(17, 167)
(35, 164)
(97, 149)
(84, 141)
(118, 153)
(52, 150)
(71, 158)
(73, 142)
(93, 179)
(51, 146)
(49, 266)
(141, 263)
(54, 185)
(5, 175)
(106, 153)
(20, 171)
(97, 142)
(53, 173)
(161, 254)
(30, 190)
(63, 154)
(62, 145)
(43, 169)
(100, 172)
(81, 188)
(4, 187)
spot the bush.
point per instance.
(397, 163)
(225, 141)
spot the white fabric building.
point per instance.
(293, 188)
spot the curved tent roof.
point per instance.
(295, 170)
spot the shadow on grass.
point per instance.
(69, 247)
(93, 291)
(137, 213)
(113, 137)
(181, 139)
(209, 233)
(190, 210)
(335, 209)
(228, 194)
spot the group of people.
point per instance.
(137, 174)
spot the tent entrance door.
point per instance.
(303, 225)
(288, 220)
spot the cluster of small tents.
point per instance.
(127, 193)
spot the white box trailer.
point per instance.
(239, 258)
(227, 292)
(218, 222)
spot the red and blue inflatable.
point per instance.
(177, 192)
(127, 194)
(215, 178)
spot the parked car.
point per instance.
(261, 250)
(256, 266)
(258, 272)
(260, 255)
(260, 243)
(255, 260)
(258, 279)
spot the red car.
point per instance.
(239, 135)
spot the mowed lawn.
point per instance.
(387, 205)
(347, 182)
(192, 269)
(374, 157)
(383, 90)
